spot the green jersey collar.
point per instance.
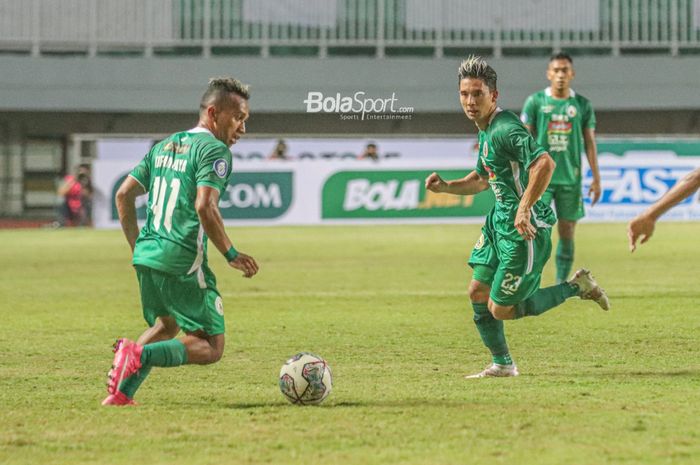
(199, 130)
(493, 115)
(548, 93)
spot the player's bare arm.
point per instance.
(207, 207)
(540, 173)
(126, 207)
(641, 228)
(592, 156)
(471, 184)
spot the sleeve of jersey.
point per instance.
(527, 116)
(522, 147)
(214, 168)
(142, 172)
(588, 116)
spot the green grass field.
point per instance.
(387, 307)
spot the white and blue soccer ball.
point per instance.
(306, 379)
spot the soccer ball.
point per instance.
(305, 379)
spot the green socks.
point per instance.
(545, 299)
(502, 359)
(132, 383)
(564, 259)
(169, 353)
(492, 333)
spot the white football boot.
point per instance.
(496, 371)
(588, 289)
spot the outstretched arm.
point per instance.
(207, 207)
(642, 227)
(540, 173)
(126, 207)
(592, 156)
(471, 184)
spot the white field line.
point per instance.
(358, 293)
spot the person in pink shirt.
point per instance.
(72, 211)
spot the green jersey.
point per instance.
(506, 151)
(173, 240)
(558, 127)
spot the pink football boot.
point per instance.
(127, 361)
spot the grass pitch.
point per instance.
(387, 307)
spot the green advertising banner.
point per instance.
(257, 195)
(141, 202)
(251, 195)
(397, 194)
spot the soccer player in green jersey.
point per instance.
(184, 175)
(642, 226)
(515, 243)
(563, 123)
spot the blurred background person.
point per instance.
(280, 151)
(370, 153)
(86, 192)
(76, 193)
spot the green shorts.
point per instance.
(568, 201)
(517, 265)
(192, 300)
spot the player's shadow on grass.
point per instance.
(651, 374)
(352, 404)
(632, 374)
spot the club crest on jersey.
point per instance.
(219, 304)
(221, 167)
(571, 111)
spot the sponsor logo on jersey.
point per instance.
(559, 126)
(547, 108)
(221, 167)
(492, 174)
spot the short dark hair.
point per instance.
(476, 67)
(561, 56)
(371, 144)
(218, 90)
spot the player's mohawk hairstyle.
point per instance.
(230, 84)
(220, 87)
(476, 67)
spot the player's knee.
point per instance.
(499, 312)
(567, 229)
(215, 355)
(168, 329)
(478, 292)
